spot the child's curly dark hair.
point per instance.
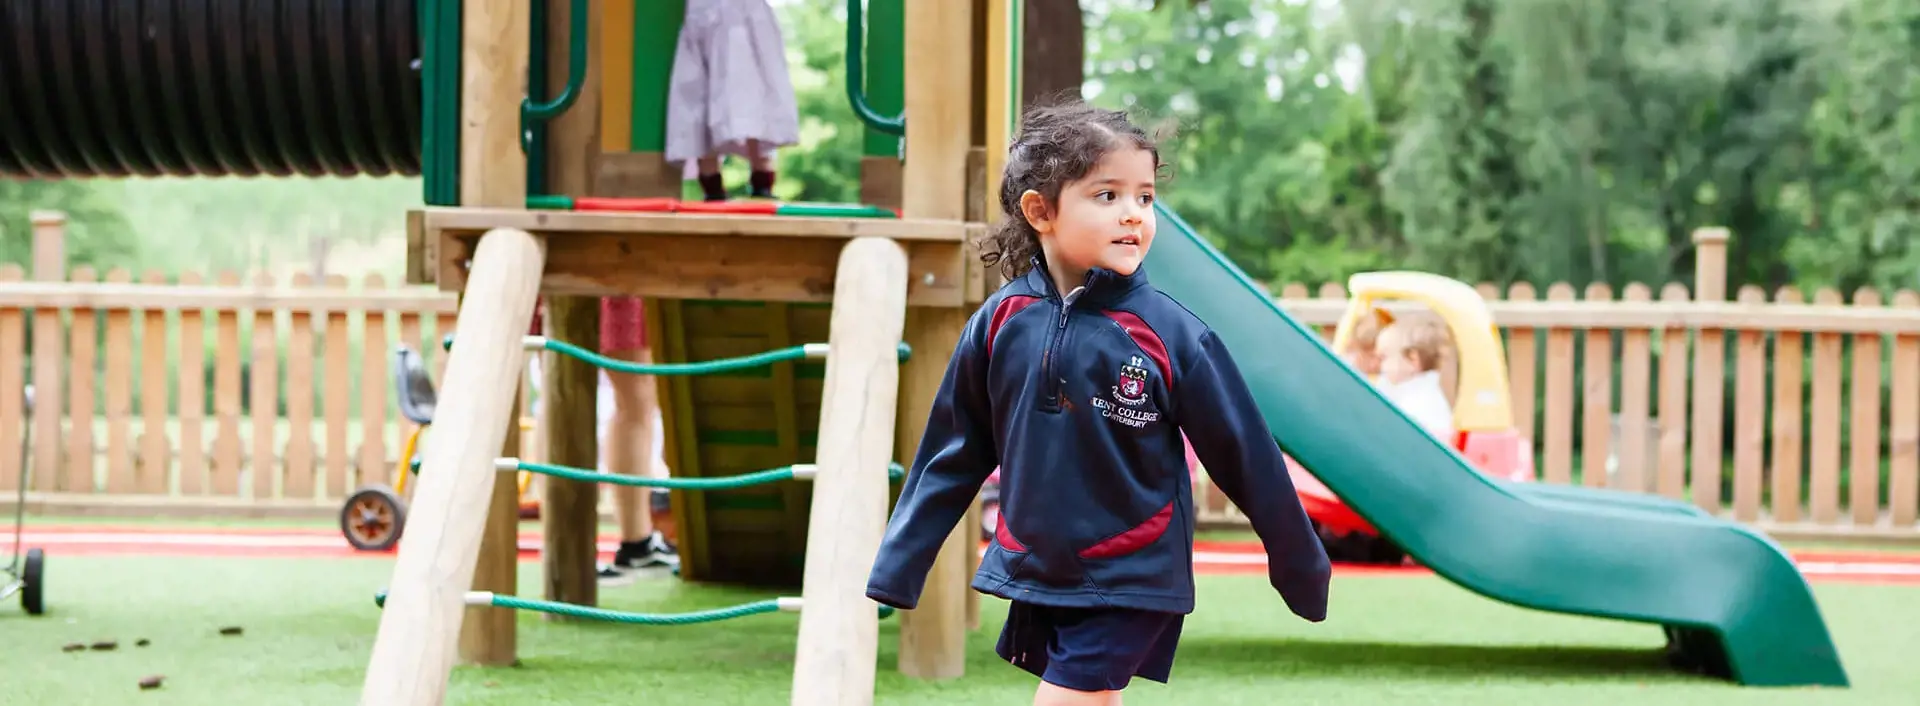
(1057, 143)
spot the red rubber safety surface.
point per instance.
(1209, 557)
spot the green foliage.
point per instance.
(97, 232)
(1496, 140)
(1548, 140)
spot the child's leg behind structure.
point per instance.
(629, 441)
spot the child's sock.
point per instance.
(761, 184)
(715, 189)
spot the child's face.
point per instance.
(1364, 360)
(1104, 219)
(1397, 364)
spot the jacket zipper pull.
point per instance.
(1066, 304)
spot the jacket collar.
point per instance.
(1102, 284)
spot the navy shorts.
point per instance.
(1090, 649)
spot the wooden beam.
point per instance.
(704, 267)
(494, 40)
(563, 224)
(570, 509)
(839, 626)
(941, 114)
(440, 556)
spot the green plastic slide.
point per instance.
(1731, 602)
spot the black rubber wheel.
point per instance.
(1385, 552)
(33, 595)
(372, 518)
(1359, 547)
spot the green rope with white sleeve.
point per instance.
(771, 605)
(798, 471)
(805, 351)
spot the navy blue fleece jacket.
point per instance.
(1080, 400)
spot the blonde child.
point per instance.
(1359, 351)
(1412, 356)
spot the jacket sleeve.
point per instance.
(1231, 438)
(956, 455)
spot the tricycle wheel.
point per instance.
(1359, 547)
(33, 595)
(372, 518)
(1385, 552)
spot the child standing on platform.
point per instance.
(1077, 379)
(731, 94)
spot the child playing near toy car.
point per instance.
(1413, 352)
(1077, 378)
(1359, 351)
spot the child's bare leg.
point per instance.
(758, 157)
(1054, 695)
(630, 444)
(760, 180)
(629, 441)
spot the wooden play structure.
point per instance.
(716, 285)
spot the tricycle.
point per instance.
(375, 514)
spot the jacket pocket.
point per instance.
(1133, 539)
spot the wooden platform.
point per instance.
(697, 256)
(719, 286)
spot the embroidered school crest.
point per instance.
(1132, 389)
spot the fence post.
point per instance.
(1709, 363)
(49, 265)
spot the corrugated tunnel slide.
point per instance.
(117, 88)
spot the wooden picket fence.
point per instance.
(1801, 418)
(202, 394)
(267, 396)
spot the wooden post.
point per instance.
(49, 358)
(569, 510)
(940, 117)
(493, 65)
(414, 651)
(839, 626)
(1709, 367)
(461, 529)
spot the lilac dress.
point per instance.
(730, 83)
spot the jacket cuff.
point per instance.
(889, 598)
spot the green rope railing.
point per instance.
(705, 367)
(770, 605)
(771, 475)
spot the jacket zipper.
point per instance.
(1056, 383)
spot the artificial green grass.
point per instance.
(309, 626)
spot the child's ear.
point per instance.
(1034, 207)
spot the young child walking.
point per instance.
(1077, 378)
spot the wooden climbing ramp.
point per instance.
(735, 422)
